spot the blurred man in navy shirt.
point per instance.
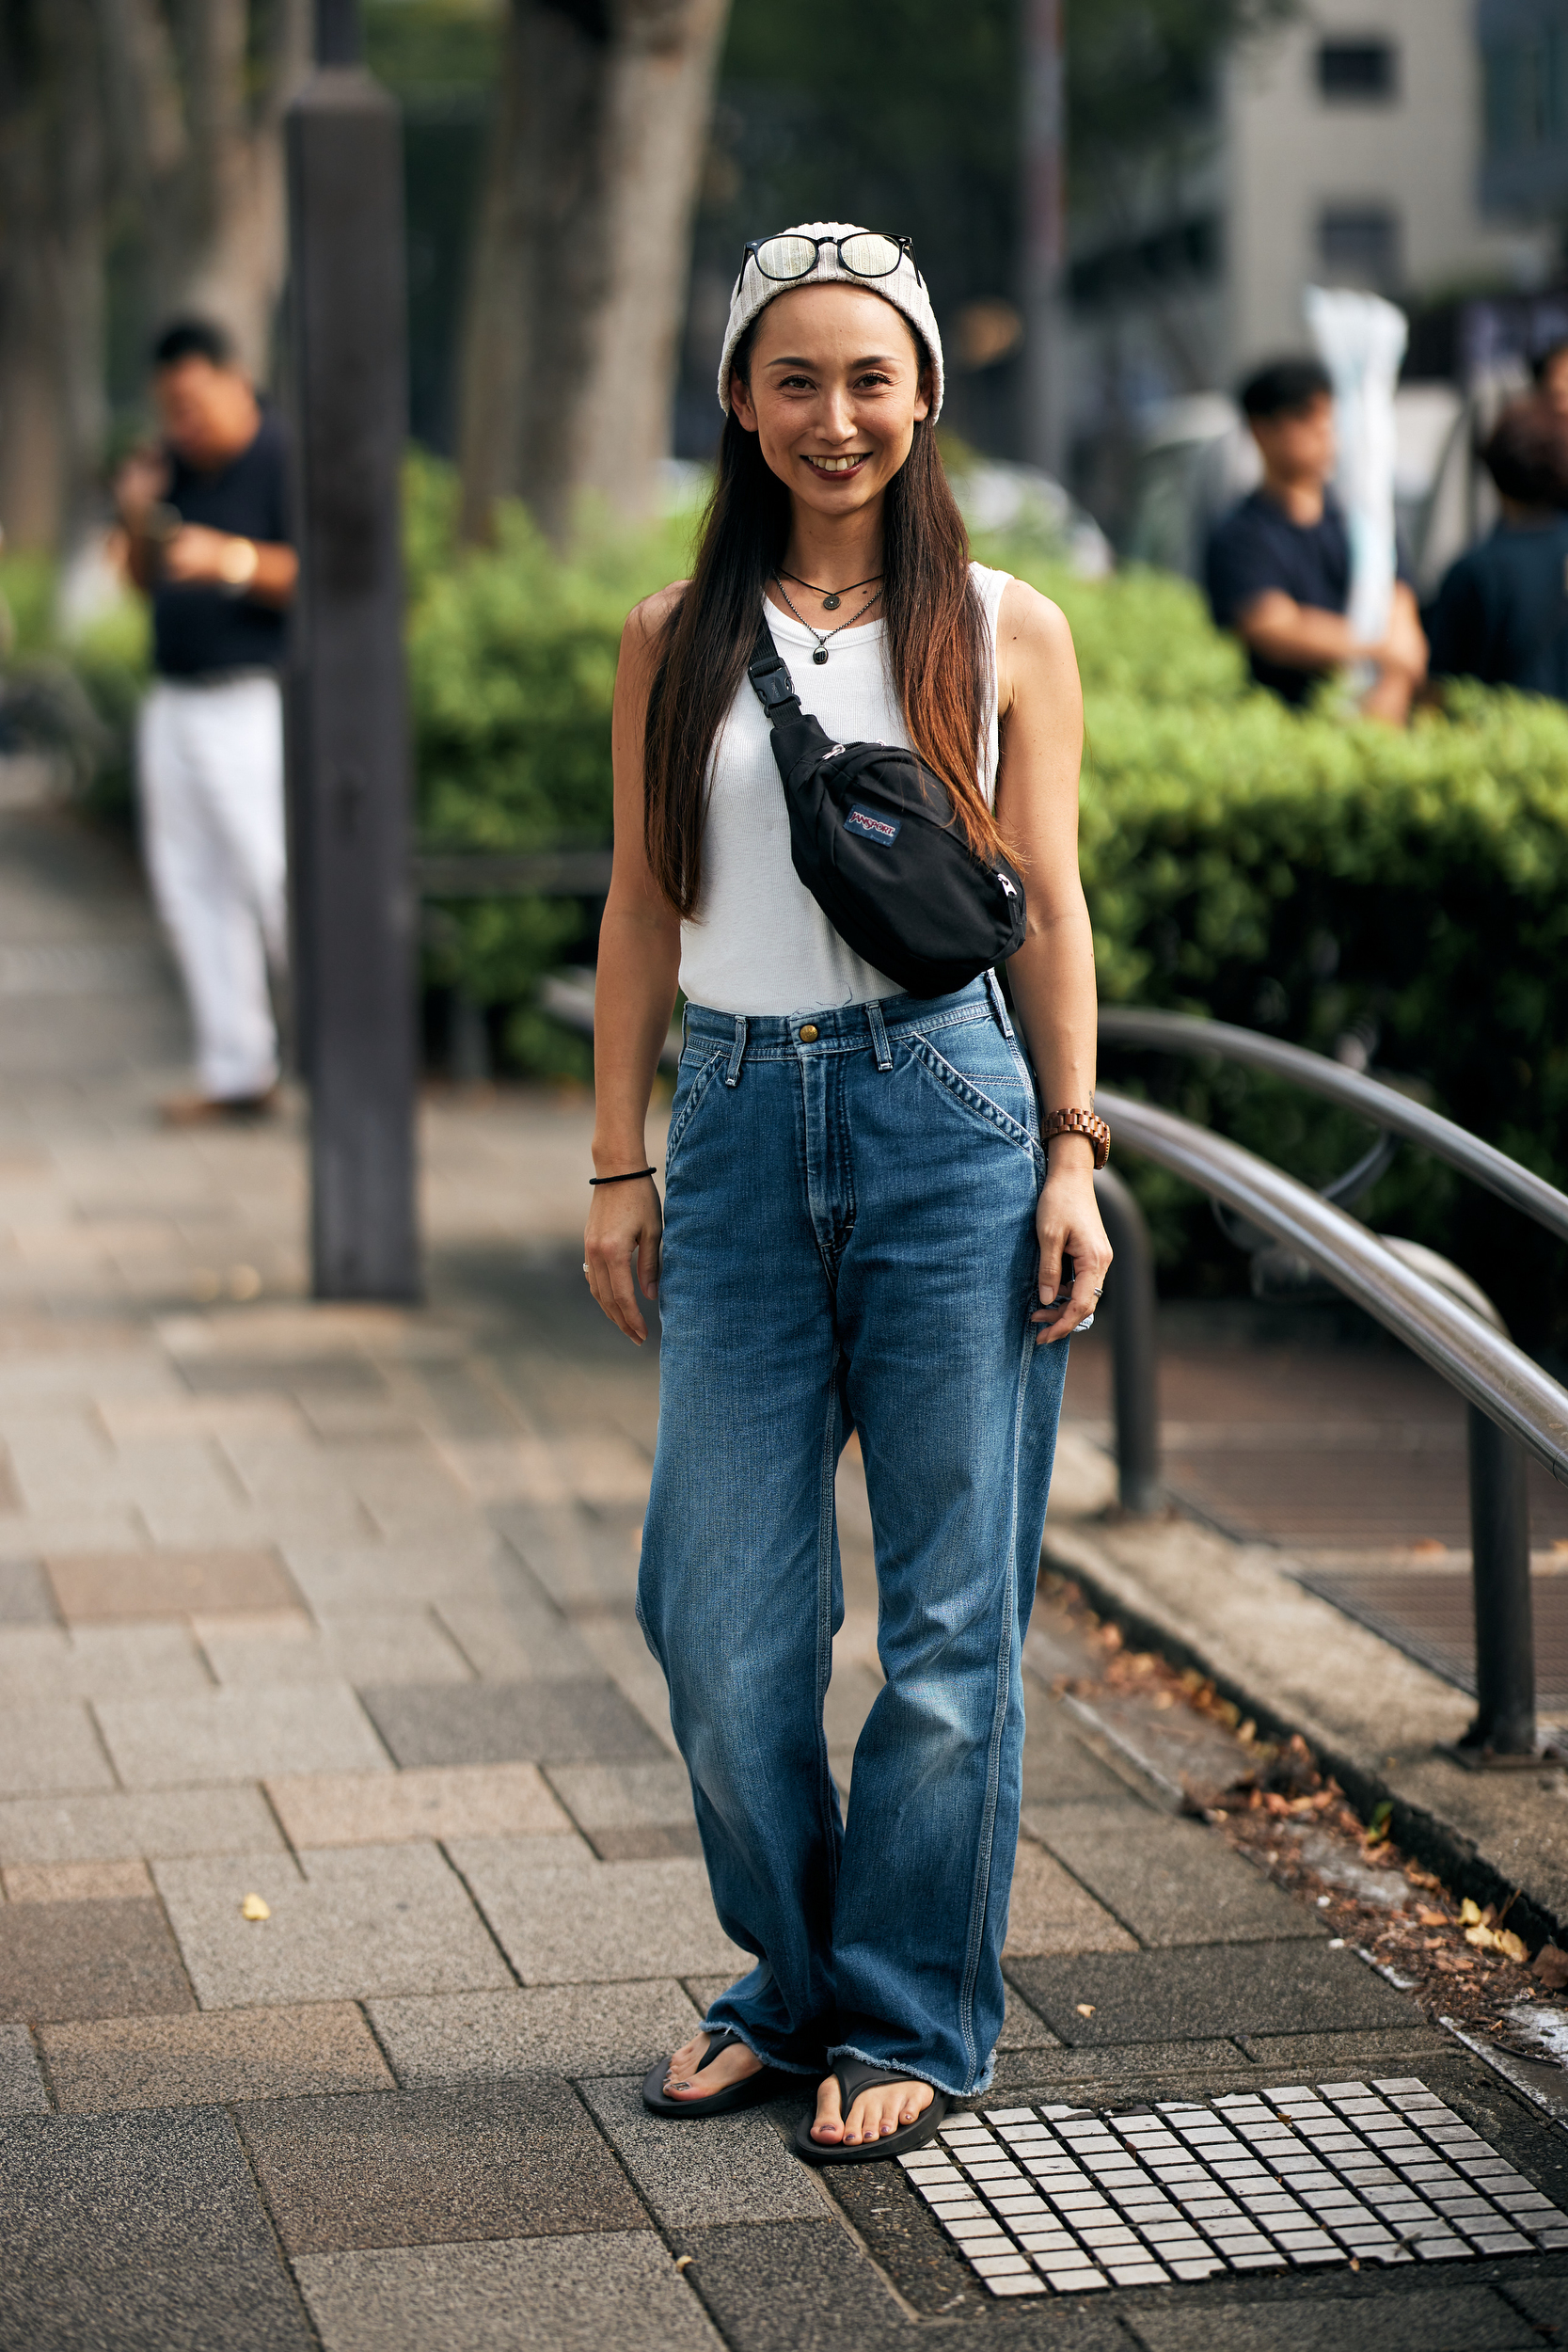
(1501, 614)
(1278, 566)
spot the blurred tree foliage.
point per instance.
(1141, 80)
(441, 60)
(898, 112)
(430, 50)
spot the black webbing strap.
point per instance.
(769, 675)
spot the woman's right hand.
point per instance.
(621, 1249)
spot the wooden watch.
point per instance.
(1080, 1123)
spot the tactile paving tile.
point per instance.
(1067, 2199)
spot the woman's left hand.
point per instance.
(1067, 1221)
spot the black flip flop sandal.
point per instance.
(853, 2077)
(748, 2093)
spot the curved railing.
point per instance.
(1498, 1378)
(1372, 1099)
(1437, 1310)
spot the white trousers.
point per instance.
(211, 763)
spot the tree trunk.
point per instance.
(52, 404)
(199, 92)
(581, 268)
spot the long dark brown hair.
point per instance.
(935, 634)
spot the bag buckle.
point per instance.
(773, 687)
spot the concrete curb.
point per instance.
(1372, 1716)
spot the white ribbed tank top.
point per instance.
(759, 943)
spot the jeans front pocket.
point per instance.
(981, 1074)
(690, 1092)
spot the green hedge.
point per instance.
(511, 665)
(1347, 886)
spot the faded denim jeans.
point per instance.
(849, 1245)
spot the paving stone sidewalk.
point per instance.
(350, 1878)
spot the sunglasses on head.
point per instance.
(864, 254)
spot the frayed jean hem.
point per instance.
(779, 2066)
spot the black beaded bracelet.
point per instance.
(625, 1178)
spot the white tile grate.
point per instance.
(1069, 2199)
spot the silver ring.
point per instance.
(1087, 1323)
(1100, 1292)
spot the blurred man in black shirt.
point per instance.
(1279, 567)
(207, 517)
(1501, 614)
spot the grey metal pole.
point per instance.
(1500, 1555)
(1132, 1303)
(349, 752)
(1504, 1725)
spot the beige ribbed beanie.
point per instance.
(902, 287)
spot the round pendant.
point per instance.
(821, 655)
(831, 604)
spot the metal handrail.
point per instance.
(1372, 1099)
(1488, 1371)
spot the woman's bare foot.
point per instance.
(731, 2066)
(875, 2114)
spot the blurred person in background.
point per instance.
(1278, 565)
(1501, 614)
(206, 515)
(1550, 370)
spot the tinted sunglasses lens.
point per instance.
(870, 257)
(786, 257)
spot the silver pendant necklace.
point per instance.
(822, 636)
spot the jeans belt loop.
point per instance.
(737, 1052)
(879, 1034)
(686, 1027)
(999, 1006)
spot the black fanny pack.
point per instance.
(872, 837)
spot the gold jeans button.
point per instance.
(808, 1034)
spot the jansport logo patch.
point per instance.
(883, 829)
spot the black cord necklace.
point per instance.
(820, 655)
(831, 597)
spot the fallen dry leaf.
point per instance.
(1506, 1941)
(1551, 1968)
(1469, 1914)
(1482, 1938)
(1086, 2008)
(1425, 1918)
(254, 1907)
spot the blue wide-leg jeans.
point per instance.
(849, 1245)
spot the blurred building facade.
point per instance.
(1414, 148)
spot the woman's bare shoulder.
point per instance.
(1034, 646)
(645, 621)
(1031, 620)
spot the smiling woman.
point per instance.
(869, 1227)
